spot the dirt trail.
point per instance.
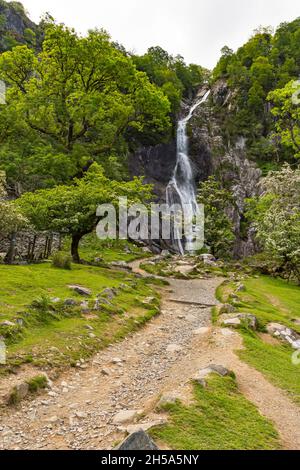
(78, 412)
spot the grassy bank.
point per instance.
(220, 418)
(271, 300)
(39, 328)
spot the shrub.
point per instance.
(62, 260)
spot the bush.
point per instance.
(62, 260)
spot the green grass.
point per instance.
(275, 362)
(271, 300)
(91, 248)
(220, 418)
(55, 335)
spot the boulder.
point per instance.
(81, 290)
(227, 308)
(234, 322)
(138, 440)
(125, 416)
(284, 333)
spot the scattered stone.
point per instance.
(105, 371)
(18, 393)
(201, 331)
(110, 293)
(89, 327)
(84, 306)
(81, 290)
(240, 288)
(121, 265)
(167, 399)
(55, 300)
(138, 440)
(235, 322)
(212, 368)
(81, 414)
(53, 419)
(126, 416)
(250, 319)
(7, 323)
(70, 302)
(144, 426)
(285, 334)
(227, 308)
(148, 300)
(173, 348)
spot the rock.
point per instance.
(285, 334)
(167, 399)
(212, 368)
(138, 440)
(105, 371)
(149, 300)
(144, 426)
(84, 306)
(81, 290)
(121, 265)
(18, 393)
(240, 288)
(173, 348)
(89, 327)
(81, 414)
(53, 419)
(125, 416)
(227, 308)
(165, 253)
(250, 319)
(70, 302)
(201, 331)
(208, 259)
(55, 300)
(7, 323)
(116, 360)
(234, 322)
(109, 293)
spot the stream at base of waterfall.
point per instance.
(181, 190)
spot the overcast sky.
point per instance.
(196, 29)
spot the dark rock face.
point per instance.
(138, 440)
(156, 164)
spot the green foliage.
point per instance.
(267, 62)
(171, 74)
(218, 231)
(276, 218)
(72, 209)
(62, 260)
(77, 101)
(10, 216)
(286, 109)
(220, 418)
(39, 382)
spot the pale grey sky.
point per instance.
(196, 29)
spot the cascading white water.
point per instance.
(181, 188)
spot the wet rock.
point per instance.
(138, 440)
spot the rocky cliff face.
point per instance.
(15, 27)
(211, 154)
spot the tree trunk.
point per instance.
(10, 255)
(76, 237)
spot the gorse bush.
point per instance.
(62, 260)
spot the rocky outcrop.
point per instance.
(211, 153)
(156, 164)
(15, 26)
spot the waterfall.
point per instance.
(181, 188)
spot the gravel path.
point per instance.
(79, 411)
